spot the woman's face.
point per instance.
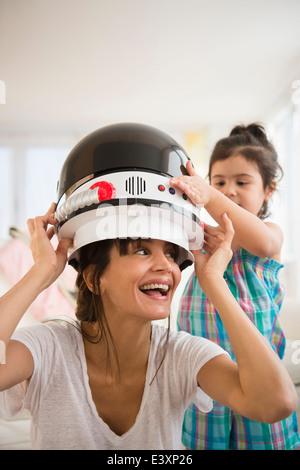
(141, 283)
(240, 180)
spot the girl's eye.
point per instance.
(219, 183)
(241, 183)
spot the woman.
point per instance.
(122, 382)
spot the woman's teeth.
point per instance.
(161, 287)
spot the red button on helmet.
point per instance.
(105, 190)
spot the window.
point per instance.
(7, 193)
(30, 168)
(42, 169)
(285, 135)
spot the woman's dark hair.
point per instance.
(89, 306)
(252, 143)
(96, 257)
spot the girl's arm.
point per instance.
(257, 385)
(16, 363)
(251, 233)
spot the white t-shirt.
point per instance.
(59, 398)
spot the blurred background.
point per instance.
(193, 68)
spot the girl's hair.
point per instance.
(89, 306)
(252, 143)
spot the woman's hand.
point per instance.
(212, 264)
(212, 237)
(49, 261)
(48, 265)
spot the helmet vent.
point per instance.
(135, 185)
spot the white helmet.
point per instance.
(115, 184)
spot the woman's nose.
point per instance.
(161, 262)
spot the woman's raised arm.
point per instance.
(15, 361)
(257, 386)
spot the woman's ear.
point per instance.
(88, 275)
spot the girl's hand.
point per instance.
(212, 264)
(49, 261)
(195, 187)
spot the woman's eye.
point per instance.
(141, 251)
(171, 254)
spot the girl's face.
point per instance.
(240, 180)
(141, 283)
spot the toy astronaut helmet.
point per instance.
(115, 184)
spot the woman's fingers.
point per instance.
(51, 213)
(30, 226)
(229, 230)
(63, 246)
(39, 224)
(50, 232)
(51, 209)
(41, 230)
(213, 236)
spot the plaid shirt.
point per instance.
(254, 283)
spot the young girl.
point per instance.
(117, 381)
(243, 171)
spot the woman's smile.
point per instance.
(156, 289)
